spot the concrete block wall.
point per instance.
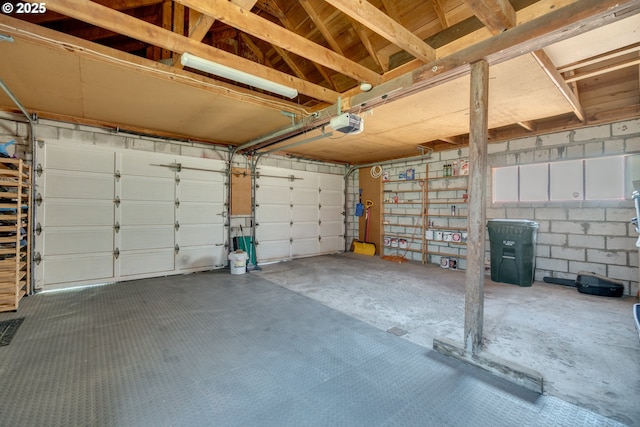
(573, 236)
(594, 236)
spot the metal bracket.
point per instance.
(177, 226)
(116, 253)
(38, 199)
(37, 258)
(116, 227)
(177, 248)
(39, 169)
(38, 229)
(117, 201)
(177, 203)
(117, 175)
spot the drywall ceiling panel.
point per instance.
(622, 33)
(43, 78)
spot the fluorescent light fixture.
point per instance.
(189, 60)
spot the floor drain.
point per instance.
(8, 329)
(397, 331)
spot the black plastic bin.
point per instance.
(513, 250)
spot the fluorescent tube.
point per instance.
(189, 60)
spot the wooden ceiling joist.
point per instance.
(119, 22)
(373, 18)
(557, 79)
(266, 30)
(603, 70)
(496, 15)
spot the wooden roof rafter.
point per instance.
(261, 28)
(380, 23)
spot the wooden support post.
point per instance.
(478, 137)
(471, 352)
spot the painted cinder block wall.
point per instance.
(572, 236)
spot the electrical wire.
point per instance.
(376, 171)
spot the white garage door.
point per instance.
(298, 214)
(106, 215)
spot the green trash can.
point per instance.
(513, 250)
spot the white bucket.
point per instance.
(238, 262)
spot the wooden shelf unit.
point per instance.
(441, 193)
(403, 199)
(15, 232)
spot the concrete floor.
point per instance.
(585, 346)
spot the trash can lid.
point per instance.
(512, 222)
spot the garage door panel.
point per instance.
(146, 213)
(302, 213)
(147, 164)
(78, 159)
(305, 230)
(305, 196)
(273, 231)
(201, 191)
(331, 198)
(213, 173)
(133, 263)
(331, 244)
(200, 213)
(331, 182)
(272, 213)
(71, 213)
(200, 257)
(305, 247)
(78, 185)
(201, 235)
(274, 250)
(61, 241)
(273, 195)
(144, 188)
(328, 228)
(331, 213)
(308, 180)
(67, 269)
(146, 237)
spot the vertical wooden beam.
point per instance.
(478, 137)
(167, 23)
